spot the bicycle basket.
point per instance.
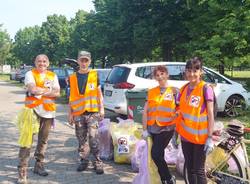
(229, 143)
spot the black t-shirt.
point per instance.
(82, 81)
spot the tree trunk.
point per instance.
(221, 67)
(167, 52)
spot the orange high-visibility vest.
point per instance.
(191, 124)
(84, 102)
(161, 107)
(48, 102)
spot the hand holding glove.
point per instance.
(209, 145)
(145, 134)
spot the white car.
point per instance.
(230, 95)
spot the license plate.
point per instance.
(108, 93)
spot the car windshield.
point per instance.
(103, 74)
(59, 72)
(118, 75)
(70, 71)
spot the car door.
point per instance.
(222, 87)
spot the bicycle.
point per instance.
(225, 164)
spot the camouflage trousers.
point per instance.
(86, 130)
(43, 134)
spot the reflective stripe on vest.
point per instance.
(191, 123)
(89, 100)
(48, 102)
(195, 118)
(83, 100)
(161, 107)
(194, 131)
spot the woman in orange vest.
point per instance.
(195, 121)
(158, 116)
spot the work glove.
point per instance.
(209, 145)
(145, 134)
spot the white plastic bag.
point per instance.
(105, 140)
(136, 157)
(170, 154)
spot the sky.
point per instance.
(18, 14)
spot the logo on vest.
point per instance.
(91, 86)
(168, 96)
(48, 83)
(194, 101)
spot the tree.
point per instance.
(55, 38)
(25, 47)
(5, 45)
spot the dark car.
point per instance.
(62, 74)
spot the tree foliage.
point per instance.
(141, 31)
(5, 45)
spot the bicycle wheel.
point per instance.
(227, 175)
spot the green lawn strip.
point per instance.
(238, 74)
(4, 77)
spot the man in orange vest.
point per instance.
(42, 89)
(86, 110)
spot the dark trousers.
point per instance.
(195, 158)
(43, 134)
(160, 142)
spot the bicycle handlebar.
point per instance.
(247, 130)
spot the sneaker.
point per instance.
(82, 166)
(171, 181)
(98, 166)
(22, 175)
(39, 169)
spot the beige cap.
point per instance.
(84, 54)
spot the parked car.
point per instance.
(20, 74)
(62, 74)
(230, 95)
(103, 74)
(13, 75)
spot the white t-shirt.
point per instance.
(29, 79)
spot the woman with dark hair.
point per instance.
(158, 116)
(195, 121)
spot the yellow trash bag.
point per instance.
(27, 124)
(217, 156)
(124, 136)
(154, 176)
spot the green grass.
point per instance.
(62, 99)
(238, 74)
(244, 118)
(4, 77)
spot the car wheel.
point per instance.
(234, 106)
